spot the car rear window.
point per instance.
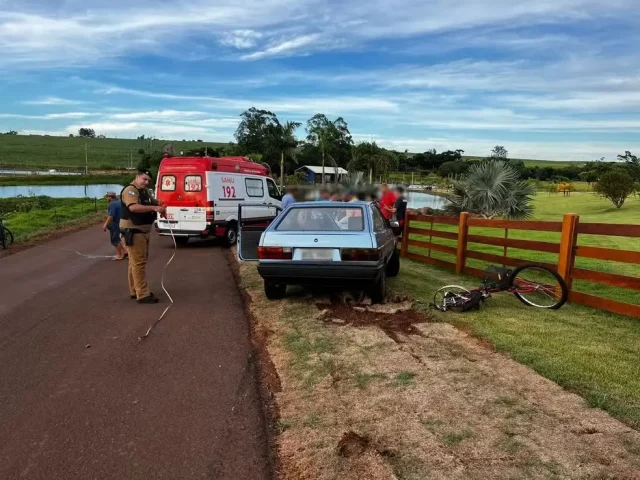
(322, 219)
(192, 183)
(168, 183)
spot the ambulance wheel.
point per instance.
(182, 241)
(231, 236)
(274, 291)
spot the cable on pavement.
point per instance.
(175, 247)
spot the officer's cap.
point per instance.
(144, 171)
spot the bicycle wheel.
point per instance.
(539, 286)
(450, 296)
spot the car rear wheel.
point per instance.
(275, 291)
(379, 288)
(231, 236)
(393, 266)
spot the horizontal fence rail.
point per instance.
(567, 250)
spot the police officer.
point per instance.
(139, 212)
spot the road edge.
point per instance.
(269, 409)
(53, 234)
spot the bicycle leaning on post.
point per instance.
(6, 236)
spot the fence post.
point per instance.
(405, 236)
(463, 230)
(568, 240)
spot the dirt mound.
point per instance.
(351, 444)
(393, 319)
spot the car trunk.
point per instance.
(309, 246)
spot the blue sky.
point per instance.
(547, 79)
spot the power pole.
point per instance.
(86, 159)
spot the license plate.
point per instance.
(193, 216)
(316, 253)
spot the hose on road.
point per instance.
(175, 247)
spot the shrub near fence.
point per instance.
(459, 233)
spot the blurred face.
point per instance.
(383, 189)
(325, 195)
(143, 180)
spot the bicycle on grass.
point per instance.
(534, 285)
(6, 236)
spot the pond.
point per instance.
(422, 200)
(59, 191)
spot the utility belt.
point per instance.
(128, 234)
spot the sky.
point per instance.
(548, 79)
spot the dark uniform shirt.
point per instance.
(130, 196)
(401, 208)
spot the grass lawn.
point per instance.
(395, 396)
(59, 213)
(35, 151)
(588, 351)
(66, 179)
(551, 208)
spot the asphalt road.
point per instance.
(82, 398)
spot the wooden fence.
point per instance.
(567, 250)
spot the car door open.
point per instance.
(254, 220)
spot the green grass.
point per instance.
(591, 209)
(62, 212)
(541, 163)
(453, 438)
(66, 180)
(405, 379)
(35, 151)
(588, 351)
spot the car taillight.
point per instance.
(360, 255)
(209, 210)
(275, 253)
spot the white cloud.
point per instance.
(53, 101)
(285, 47)
(139, 128)
(333, 104)
(241, 39)
(562, 150)
(49, 116)
(59, 34)
(171, 115)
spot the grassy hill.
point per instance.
(44, 152)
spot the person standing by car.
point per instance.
(139, 212)
(387, 201)
(112, 224)
(290, 197)
(400, 207)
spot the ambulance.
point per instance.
(202, 195)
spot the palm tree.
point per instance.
(280, 140)
(372, 157)
(493, 189)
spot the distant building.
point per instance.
(313, 173)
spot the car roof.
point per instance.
(329, 203)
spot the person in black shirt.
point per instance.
(400, 207)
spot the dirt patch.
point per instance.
(400, 322)
(54, 233)
(395, 395)
(351, 444)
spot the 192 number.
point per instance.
(229, 192)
